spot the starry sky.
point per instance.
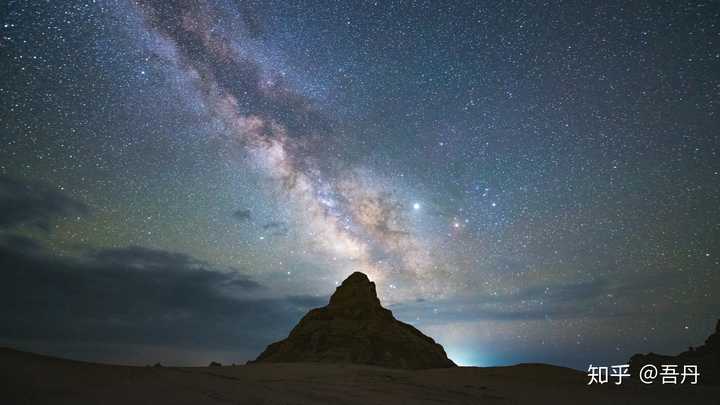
(525, 182)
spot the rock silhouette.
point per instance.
(706, 357)
(355, 328)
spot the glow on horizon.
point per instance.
(465, 359)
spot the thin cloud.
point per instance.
(34, 204)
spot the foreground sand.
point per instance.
(32, 379)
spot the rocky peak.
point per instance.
(355, 328)
(356, 290)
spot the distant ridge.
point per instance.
(355, 328)
(706, 357)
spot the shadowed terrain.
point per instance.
(33, 379)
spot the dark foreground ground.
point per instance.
(27, 378)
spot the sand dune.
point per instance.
(33, 379)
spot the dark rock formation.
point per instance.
(355, 328)
(215, 364)
(706, 357)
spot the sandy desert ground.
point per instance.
(33, 379)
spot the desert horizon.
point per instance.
(65, 381)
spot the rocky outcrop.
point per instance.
(355, 328)
(706, 357)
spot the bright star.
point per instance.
(416, 206)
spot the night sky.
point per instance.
(180, 181)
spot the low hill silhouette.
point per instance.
(706, 357)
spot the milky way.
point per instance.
(343, 217)
(182, 180)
